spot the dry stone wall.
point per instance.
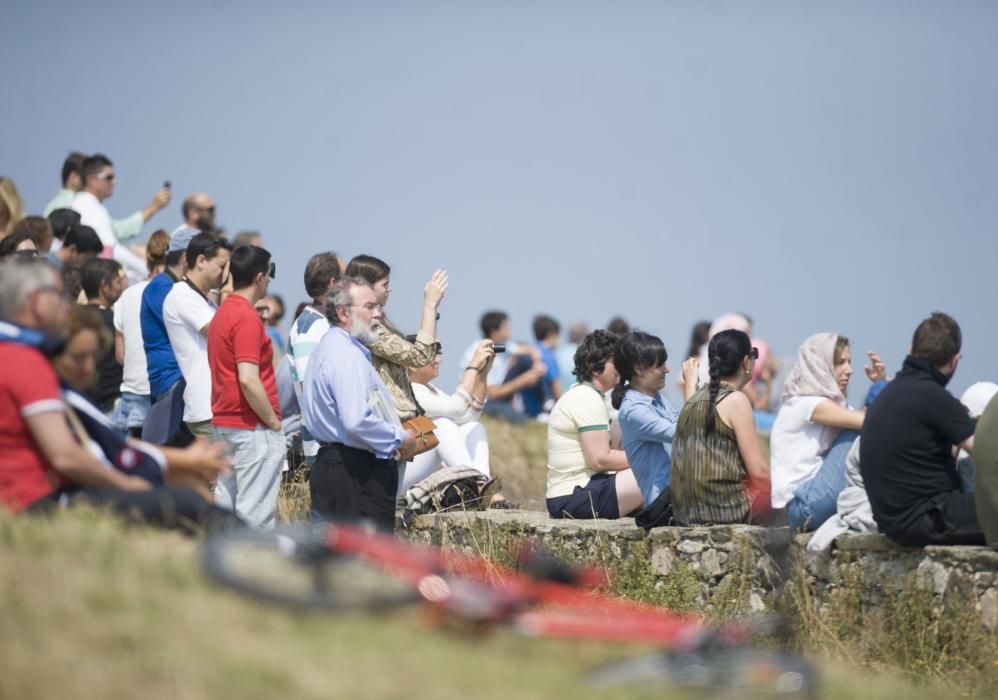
(730, 569)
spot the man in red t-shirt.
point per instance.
(244, 403)
(38, 453)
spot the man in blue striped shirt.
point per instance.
(348, 410)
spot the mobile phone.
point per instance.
(498, 348)
(166, 185)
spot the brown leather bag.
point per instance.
(422, 429)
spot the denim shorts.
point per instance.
(597, 499)
(130, 411)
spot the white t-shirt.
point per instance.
(95, 215)
(135, 377)
(580, 409)
(797, 446)
(185, 313)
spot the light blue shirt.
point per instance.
(647, 426)
(344, 399)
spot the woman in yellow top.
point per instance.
(586, 478)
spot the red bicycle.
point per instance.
(347, 567)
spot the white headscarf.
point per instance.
(813, 374)
(977, 397)
(727, 322)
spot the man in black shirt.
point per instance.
(907, 448)
(103, 282)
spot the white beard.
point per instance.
(367, 334)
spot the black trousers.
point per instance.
(952, 519)
(351, 484)
(170, 507)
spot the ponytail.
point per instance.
(617, 397)
(633, 351)
(725, 353)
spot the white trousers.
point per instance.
(464, 445)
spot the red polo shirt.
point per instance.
(28, 386)
(236, 334)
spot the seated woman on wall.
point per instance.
(719, 475)
(586, 478)
(156, 485)
(647, 420)
(463, 441)
(814, 430)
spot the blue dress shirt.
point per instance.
(647, 426)
(344, 399)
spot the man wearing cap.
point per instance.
(161, 362)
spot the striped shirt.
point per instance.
(306, 332)
(708, 474)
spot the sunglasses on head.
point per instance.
(754, 353)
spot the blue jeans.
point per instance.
(130, 411)
(815, 501)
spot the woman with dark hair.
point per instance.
(647, 420)
(719, 475)
(392, 353)
(814, 430)
(18, 243)
(586, 478)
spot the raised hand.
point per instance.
(876, 370)
(433, 292)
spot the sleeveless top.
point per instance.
(708, 474)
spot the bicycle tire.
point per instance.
(742, 670)
(294, 567)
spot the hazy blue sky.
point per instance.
(822, 166)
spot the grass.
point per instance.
(90, 607)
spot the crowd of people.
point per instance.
(155, 380)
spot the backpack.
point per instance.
(450, 488)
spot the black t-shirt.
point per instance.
(906, 452)
(108, 385)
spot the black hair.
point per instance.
(85, 239)
(636, 350)
(95, 273)
(92, 165)
(62, 220)
(321, 269)
(8, 246)
(369, 267)
(725, 353)
(545, 326)
(491, 321)
(207, 245)
(618, 326)
(246, 263)
(937, 339)
(592, 354)
(173, 257)
(72, 164)
(699, 336)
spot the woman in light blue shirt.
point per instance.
(647, 420)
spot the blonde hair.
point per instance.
(11, 205)
(841, 343)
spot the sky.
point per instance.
(821, 166)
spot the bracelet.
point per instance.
(472, 367)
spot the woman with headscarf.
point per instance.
(814, 430)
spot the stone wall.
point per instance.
(728, 570)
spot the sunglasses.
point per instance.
(273, 270)
(106, 177)
(754, 353)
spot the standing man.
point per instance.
(244, 402)
(322, 273)
(199, 212)
(906, 450)
(161, 362)
(348, 409)
(187, 311)
(72, 182)
(103, 282)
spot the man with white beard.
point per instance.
(348, 410)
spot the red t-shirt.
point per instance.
(236, 334)
(28, 386)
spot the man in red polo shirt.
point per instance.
(244, 402)
(39, 456)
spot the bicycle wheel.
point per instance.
(294, 567)
(741, 670)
